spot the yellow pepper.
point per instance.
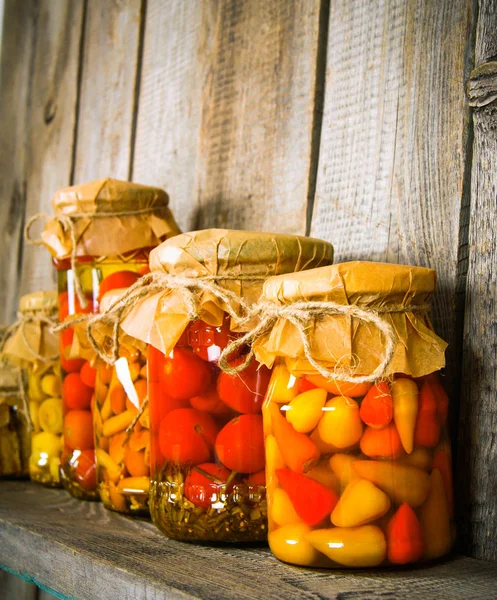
(289, 544)
(360, 503)
(305, 410)
(405, 409)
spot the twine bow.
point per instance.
(67, 222)
(304, 314)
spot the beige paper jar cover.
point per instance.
(245, 258)
(105, 232)
(342, 342)
(32, 338)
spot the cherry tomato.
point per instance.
(245, 391)
(240, 444)
(78, 430)
(187, 435)
(207, 341)
(88, 375)
(201, 490)
(77, 309)
(75, 393)
(184, 375)
(69, 365)
(116, 281)
(210, 402)
(85, 470)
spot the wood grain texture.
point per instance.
(107, 97)
(52, 122)
(236, 83)
(15, 69)
(394, 143)
(477, 468)
(83, 551)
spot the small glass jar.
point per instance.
(359, 474)
(15, 439)
(207, 441)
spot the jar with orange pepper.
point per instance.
(206, 434)
(99, 238)
(358, 463)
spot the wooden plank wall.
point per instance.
(348, 120)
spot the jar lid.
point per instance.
(107, 195)
(39, 301)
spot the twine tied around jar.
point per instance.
(67, 222)
(20, 325)
(305, 313)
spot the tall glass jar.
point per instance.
(206, 435)
(358, 473)
(113, 224)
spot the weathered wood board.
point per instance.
(476, 476)
(83, 551)
(107, 96)
(52, 122)
(15, 68)
(236, 83)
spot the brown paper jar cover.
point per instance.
(345, 342)
(109, 234)
(247, 258)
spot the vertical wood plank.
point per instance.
(237, 83)
(477, 465)
(394, 142)
(15, 588)
(15, 68)
(54, 87)
(107, 97)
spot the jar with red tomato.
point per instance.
(358, 460)
(206, 431)
(114, 225)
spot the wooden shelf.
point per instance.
(80, 550)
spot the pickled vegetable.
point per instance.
(357, 481)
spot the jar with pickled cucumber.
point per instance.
(95, 215)
(358, 458)
(206, 434)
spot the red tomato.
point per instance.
(201, 490)
(187, 435)
(76, 394)
(207, 341)
(245, 391)
(78, 430)
(85, 470)
(116, 281)
(210, 402)
(88, 375)
(69, 365)
(184, 375)
(240, 444)
(77, 309)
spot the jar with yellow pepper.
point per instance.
(358, 460)
(99, 238)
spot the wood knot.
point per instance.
(482, 85)
(49, 111)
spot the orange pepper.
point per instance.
(441, 396)
(377, 407)
(381, 442)
(311, 500)
(405, 410)
(297, 450)
(443, 463)
(404, 536)
(435, 520)
(340, 388)
(427, 430)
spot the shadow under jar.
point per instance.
(359, 474)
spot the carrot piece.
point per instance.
(139, 439)
(427, 430)
(405, 410)
(298, 451)
(118, 400)
(340, 388)
(311, 500)
(117, 423)
(377, 406)
(443, 463)
(404, 536)
(381, 442)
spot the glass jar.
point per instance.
(358, 474)
(121, 422)
(207, 441)
(15, 439)
(97, 275)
